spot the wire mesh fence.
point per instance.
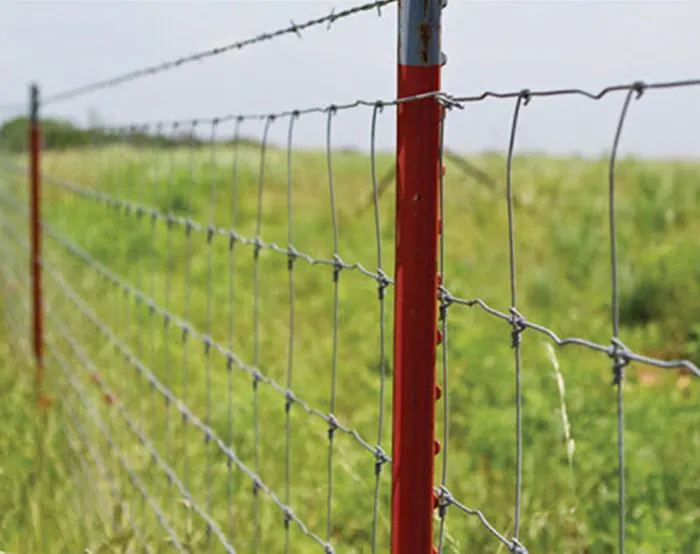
(220, 310)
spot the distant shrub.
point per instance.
(660, 287)
(60, 134)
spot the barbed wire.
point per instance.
(292, 29)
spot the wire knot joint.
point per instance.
(333, 425)
(525, 95)
(620, 356)
(381, 459)
(639, 87)
(519, 325)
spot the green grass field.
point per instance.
(65, 487)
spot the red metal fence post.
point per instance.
(415, 321)
(35, 234)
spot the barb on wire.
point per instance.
(293, 28)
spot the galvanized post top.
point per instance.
(419, 32)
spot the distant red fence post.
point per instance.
(415, 321)
(35, 233)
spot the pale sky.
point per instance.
(490, 45)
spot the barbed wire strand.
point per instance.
(293, 28)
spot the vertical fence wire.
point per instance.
(167, 324)
(442, 318)
(256, 331)
(231, 323)
(290, 345)
(209, 316)
(191, 174)
(152, 405)
(517, 327)
(382, 283)
(336, 307)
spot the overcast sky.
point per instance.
(491, 45)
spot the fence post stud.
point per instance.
(35, 234)
(415, 318)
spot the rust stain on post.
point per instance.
(419, 32)
(425, 34)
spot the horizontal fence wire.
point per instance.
(153, 365)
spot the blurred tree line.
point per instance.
(60, 134)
